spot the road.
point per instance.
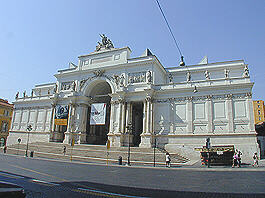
(51, 178)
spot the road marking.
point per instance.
(45, 182)
(108, 194)
(11, 176)
(40, 173)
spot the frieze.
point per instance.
(34, 107)
(67, 85)
(137, 77)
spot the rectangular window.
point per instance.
(259, 112)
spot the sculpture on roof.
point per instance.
(17, 95)
(188, 76)
(246, 72)
(207, 75)
(105, 43)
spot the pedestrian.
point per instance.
(255, 160)
(168, 160)
(239, 153)
(234, 159)
(64, 150)
(5, 148)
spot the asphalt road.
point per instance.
(51, 178)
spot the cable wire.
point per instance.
(169, 28)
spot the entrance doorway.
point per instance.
(97, 134)
(137, 122)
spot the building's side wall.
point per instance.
(38, 116)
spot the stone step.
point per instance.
(93, 153)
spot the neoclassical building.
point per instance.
(178, 106)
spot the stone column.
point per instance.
(129, 113)
(123, 117)
(144, 116)
(111, 130)
(251, 112)
(52, 118)
(67, 134)
(146, 136)
(229, 113)
(148, 113)
(189, 115)
(209, 106)
(171, 116)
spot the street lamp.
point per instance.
(129, 130)
(29, 128)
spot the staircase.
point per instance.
(97, 153)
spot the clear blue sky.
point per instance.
(39, 37)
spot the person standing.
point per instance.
(256, 160)
(168, 160)
(239, 158)
(5, 148)
(235, 157)
(64, 150)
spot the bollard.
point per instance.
(120, 160)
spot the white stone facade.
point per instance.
(179, 106)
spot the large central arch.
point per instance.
(98, 91)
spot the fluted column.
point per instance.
(129, 113)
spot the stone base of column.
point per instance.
(115, 139)
(56, 137)
(67, 137)
(82, 138)
(146, 140)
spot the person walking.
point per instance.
(64, 150)
(255, 160)
(168, 160)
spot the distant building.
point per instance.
(259, 111)
(6, 111)
(141, 101)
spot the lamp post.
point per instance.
(154, 151)
(129, 130)
(29, 128)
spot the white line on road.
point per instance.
(44, 182)
(12, 176)
(107, 193)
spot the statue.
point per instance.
(170, 78)
(48, 92)
(55, 88)
(17, 95)
(226, 73)
(24, 94)
(31, 93)
(149, 76)
(73, 86)
(246, 71)
(207, 75)
(188, 76)
(104, 44)
(104, 39)
(122, 81)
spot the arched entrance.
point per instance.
(97, 134)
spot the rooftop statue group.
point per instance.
(105, 43)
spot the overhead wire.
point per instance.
(169, 28)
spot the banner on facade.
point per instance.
(61, 115)
(98, 114)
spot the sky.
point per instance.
(37, 38)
